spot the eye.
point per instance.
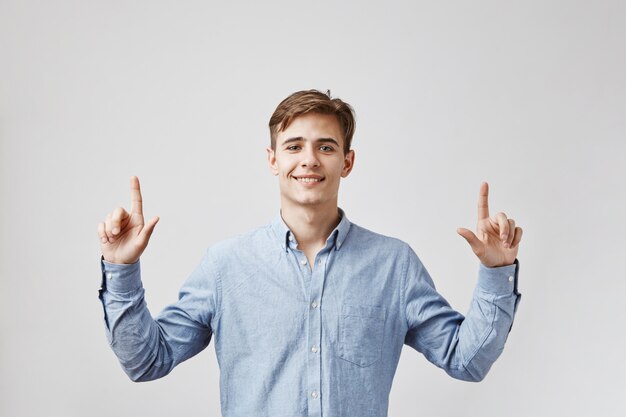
(293, 147)
(326, 148)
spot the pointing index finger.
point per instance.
(135, 194)
(483, 203)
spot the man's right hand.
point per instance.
(124, 236)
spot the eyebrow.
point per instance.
(320, 140)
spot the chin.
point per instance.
(308, 198)
(307, 201)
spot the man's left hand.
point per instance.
(497, 239)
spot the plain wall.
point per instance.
(527, 95)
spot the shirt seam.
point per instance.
(403, 289)
(218, 299)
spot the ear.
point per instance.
(348, 163)
(271, 160)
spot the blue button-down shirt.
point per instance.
(294, 339)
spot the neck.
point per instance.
(311, 225)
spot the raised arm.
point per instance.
(149, 348)
(466, 346)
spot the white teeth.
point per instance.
(308, 179)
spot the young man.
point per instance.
(310, 312)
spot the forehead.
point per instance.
(313, 126)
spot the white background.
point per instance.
(527, 95)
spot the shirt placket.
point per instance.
(314, 364)
(315, 278)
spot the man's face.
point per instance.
(309, 160)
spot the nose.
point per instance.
(309, 158)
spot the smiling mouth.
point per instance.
(308, 180)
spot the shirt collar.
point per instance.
(282, 232)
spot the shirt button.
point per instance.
(511, 279)
(314, 349)
(109, 275)
(314, 304)
(290, 238)
(315, 394)
(303, 262)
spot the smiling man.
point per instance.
(310, 312)
(309, 157)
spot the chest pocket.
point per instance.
(361, 330)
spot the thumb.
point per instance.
(471, 238)
(147, 230)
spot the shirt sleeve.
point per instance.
(465, 347)
(149, 348)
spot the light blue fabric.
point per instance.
(292, 341)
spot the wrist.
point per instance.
(118, 261)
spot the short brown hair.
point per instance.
(313, 101)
